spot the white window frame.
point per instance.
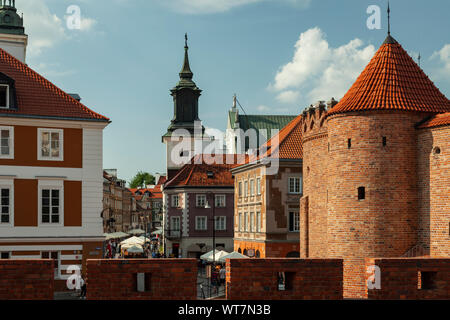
(10, 143)
(296, 222)
(201, 226)
(252, 187)
(175, 199)
(221, 223)
(216, 200)
(7, 96)
(294, 191)
(240, 189)
(258, 221)
(172, 224)
(258, 186)
(246, 188)
(197, 198)
(8, 184)
(241, 222)
(252, 222)
(246, 221)
(61, 144)
(52, 185)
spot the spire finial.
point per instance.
(389, 18)
(186, 72)
(185, 40)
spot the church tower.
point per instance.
(12, 33)
(185, 135)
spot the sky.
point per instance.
(278, 56)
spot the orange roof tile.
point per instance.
(38, 97)
(393, 81)
(195, 173)
(438, 120)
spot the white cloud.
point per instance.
(215, 6)
(288, 96)
(319, 71)
(443, 56)
(44, 28)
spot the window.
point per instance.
(252, 222)
(427, 280)
(258, 186)
(246, 189)
(201, 200)
(4, 255)
(245, 222)
(220, 201)
(51, 144)
(252, 187)
(5, 204)
(384, 141)
(285, 281)
(258, 222)
(6, 142)
(241, 222)
(201, 223)
(294, 221)
(349, 143)
(175, 223)
(295, 185)
(143, 282)
(4, 96)
(240, 189)
(51, 205)
(361, 193)
(221, 223)
(55, 256)
(175, 201)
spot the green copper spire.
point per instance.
(186, 74)
(10, 21)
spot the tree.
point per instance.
(142, 179)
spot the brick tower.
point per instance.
(361, 189)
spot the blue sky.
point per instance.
(278, 56)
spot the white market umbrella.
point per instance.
(206, 255)
(132, 240)
(136, 231)
(217, 255)
(233, 255)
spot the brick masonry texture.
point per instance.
(26, 279)
(400, 278)
(434, 191)
(256, 279)
(170, 279)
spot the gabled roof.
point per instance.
(438, 120)
(196, 173)
(393, 81)
(268, 122)
(39, 98)
(287, 144)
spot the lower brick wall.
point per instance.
(256, 279)
(169, 279)
(26, 279)
(400, 278)
(354, 278)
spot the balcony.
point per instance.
(173, 234)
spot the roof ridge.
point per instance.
(28, 71)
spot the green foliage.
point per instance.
(142, 179)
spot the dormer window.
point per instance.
(4, 96)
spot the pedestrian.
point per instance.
(108, 250)
(222, 275)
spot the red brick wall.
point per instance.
(171, 279)
(26, 279)
(434, 194)
(400, 277)
(256, 279)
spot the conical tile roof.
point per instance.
(393, 81)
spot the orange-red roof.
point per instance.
(438, 120)
(393, 81)
(287, 144)
(38, 97)
(196, 173)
